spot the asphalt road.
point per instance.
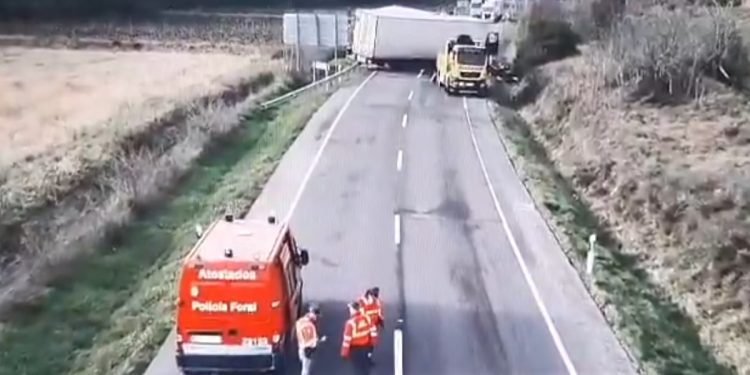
(413, 192)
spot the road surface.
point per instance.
(411, 190)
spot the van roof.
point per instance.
(249, 240)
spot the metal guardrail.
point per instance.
(302, 89)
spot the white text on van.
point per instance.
(237, 275)
(223, 307)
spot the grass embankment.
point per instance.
(112, 315)
(663, 338)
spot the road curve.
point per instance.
(414, 192)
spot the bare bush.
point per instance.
(545, 36)
(663, 55)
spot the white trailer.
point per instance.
(396, 33)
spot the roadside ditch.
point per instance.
(111, 310)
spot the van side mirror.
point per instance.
(304, 257)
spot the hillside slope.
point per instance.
(672, 181)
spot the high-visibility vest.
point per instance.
(373, 310)
(307, 333)
(358, 332)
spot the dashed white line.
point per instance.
(517, 253)
(398, 352)
(399, 160)
(315, 161)
(411, 94)
(404, 120)
(397, 229)
(421, 71)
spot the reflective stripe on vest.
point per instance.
(372, 310)
(307, 335)
(361, 331)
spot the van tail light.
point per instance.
(275, 304)
(180, 351)
(276, 342)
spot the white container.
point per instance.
(399, 33)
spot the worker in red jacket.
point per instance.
(373, 310)
(360, 335)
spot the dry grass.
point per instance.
(87, 101)
(183, 32)
(69, 94)
(672, 182)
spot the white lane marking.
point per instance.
(432, 78)
(399, 160)
(517, 253)
(421, 71)
(398, 352)
(397, 229)
(411, 94)
(315, 161)
(404, 120)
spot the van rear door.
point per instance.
(226, 311)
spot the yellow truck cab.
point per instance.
(462, 65)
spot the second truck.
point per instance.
(463, 65)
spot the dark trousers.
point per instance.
(360, 360)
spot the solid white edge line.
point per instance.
(517, 253)
(398, 352)
(411, 95)
(316, 160)
(397, 229)
(399, 160)
(404, 120)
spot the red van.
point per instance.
(240, 293)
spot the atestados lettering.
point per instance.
(237, 275)
(223, 307)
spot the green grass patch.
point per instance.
(115, 310)
(663, 338)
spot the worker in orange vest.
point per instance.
(360, 335)
(373, 310)
(307, 336)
